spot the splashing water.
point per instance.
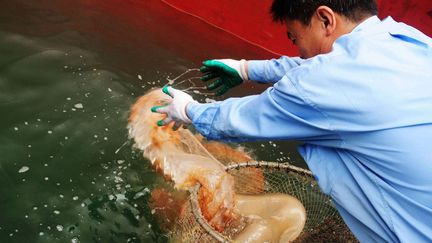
(176, 82)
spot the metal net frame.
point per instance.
(323, 222)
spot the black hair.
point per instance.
(302, 10)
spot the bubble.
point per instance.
(79, 105)
(208, 100)
(16, 128)
(59, 227)
(23, 169)
(139, 77)
(56, 212)
(75, 198)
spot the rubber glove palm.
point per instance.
(229, 72)
(176, 110)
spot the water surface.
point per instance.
(69, 73)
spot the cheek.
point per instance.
(306, 49)
(311, 47)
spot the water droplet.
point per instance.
(16, 128)
(41, 233)
(79, 106)
(139, 77)
(75, 198)
(23, 169)
(56, 212)
(49, 132)
(208, 100)
(59, 227)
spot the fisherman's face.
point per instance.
(308, 39)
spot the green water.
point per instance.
(67, 169)
(68, 76)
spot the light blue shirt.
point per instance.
(364, 113)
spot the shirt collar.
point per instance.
(366, 23)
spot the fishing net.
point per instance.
(323, 223)
(220, 177)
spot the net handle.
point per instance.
(257, 164)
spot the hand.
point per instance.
(229, 72)
(176, 110)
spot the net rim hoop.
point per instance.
(256, 164)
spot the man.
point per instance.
(359, 97)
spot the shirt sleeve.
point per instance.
(271, 71)
(280, 112)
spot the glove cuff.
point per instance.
(185, 117)
(243, 70)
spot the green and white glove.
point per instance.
(176, 110)
(229, 73)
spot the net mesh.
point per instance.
(323, 223)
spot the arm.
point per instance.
(278, 113)
(228, 73)
(271, 71)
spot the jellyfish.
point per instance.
(187, 160)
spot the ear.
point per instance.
(327, 19)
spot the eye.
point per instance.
(291, 37)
